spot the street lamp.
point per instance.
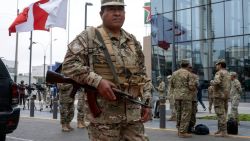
(44, 57)
(86, 4)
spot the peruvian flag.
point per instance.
(41, 15)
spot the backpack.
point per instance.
(232, 126)
(201, 129)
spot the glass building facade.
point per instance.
(203, 31)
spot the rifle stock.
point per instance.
(54, 77)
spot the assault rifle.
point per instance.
(54, 77)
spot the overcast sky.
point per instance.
(134, 24)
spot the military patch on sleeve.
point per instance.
(75, 47)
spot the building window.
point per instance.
(184, 51)
(183, 24)
(199, 23)
(156, 7)
(198, 2)
(215, 20)
(182, 4)
(247, 50)
(213, 1)
(168, 5)
(246, 5)
(233, 17)
(218, 49)
(235, 51)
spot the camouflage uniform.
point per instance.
(80, 106)
(182, 86)
(171, 100)
(66, 103)
(221, 85)
(161, 100)
(86, 64)
(210, 97)
(235, 94)
(194, 78)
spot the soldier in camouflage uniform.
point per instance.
(182, 86)
(194, 78)
(66, 106)
(160, 89)
(86, 63)
(171, 101)
(222, 86)
(210, 97)
(80, 109)
(235, 94)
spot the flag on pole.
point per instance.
(147, 13)
(41, 15)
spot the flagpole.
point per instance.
(32, 104)
(51, 49)
(68, 19)
(173, 48)
(16, 53)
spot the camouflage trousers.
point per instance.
(172, 106)
(66, 112)
(80, 107)
(133, 131)
(183, 114)
(220, 108)
(193, 115)
(234, 108)
(210, 100)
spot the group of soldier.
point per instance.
(182, 89)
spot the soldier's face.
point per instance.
(113, 16)
(217, 67)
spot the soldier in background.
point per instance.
(183, 86)
(80, 109)
(171, 100)
(21, 90)
(85, 63)
(222, 86)
(210, 98)
(160, 89)
(194, 78)
(235, 94)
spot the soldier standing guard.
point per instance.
(171, 100)
(235, 94)
(108, 57)
(160, 89)
(194, 78)
(182, 86)
(222, 86)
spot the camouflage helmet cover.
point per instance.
(219, 61)
(112, 2)
(184, 61)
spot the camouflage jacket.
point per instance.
(236, 89)
(221, 84)
(210, 91)
(85, 63)
(161, 89)
(182, 84)
(195, 80)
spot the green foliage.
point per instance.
(243, 117)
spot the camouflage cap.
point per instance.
(184, 61)
(112, 2)
(233, 73)
(220, 61)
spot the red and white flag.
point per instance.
(41, 15)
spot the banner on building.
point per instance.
(147, 13)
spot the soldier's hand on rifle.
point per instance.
(146, 114)
(105, 89)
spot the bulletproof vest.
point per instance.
(127, 75)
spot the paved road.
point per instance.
(35, 129)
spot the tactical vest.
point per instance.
(127, 75)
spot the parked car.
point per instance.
(9, 111)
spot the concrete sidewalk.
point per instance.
(244, 128)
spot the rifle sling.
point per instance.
(107, 56)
